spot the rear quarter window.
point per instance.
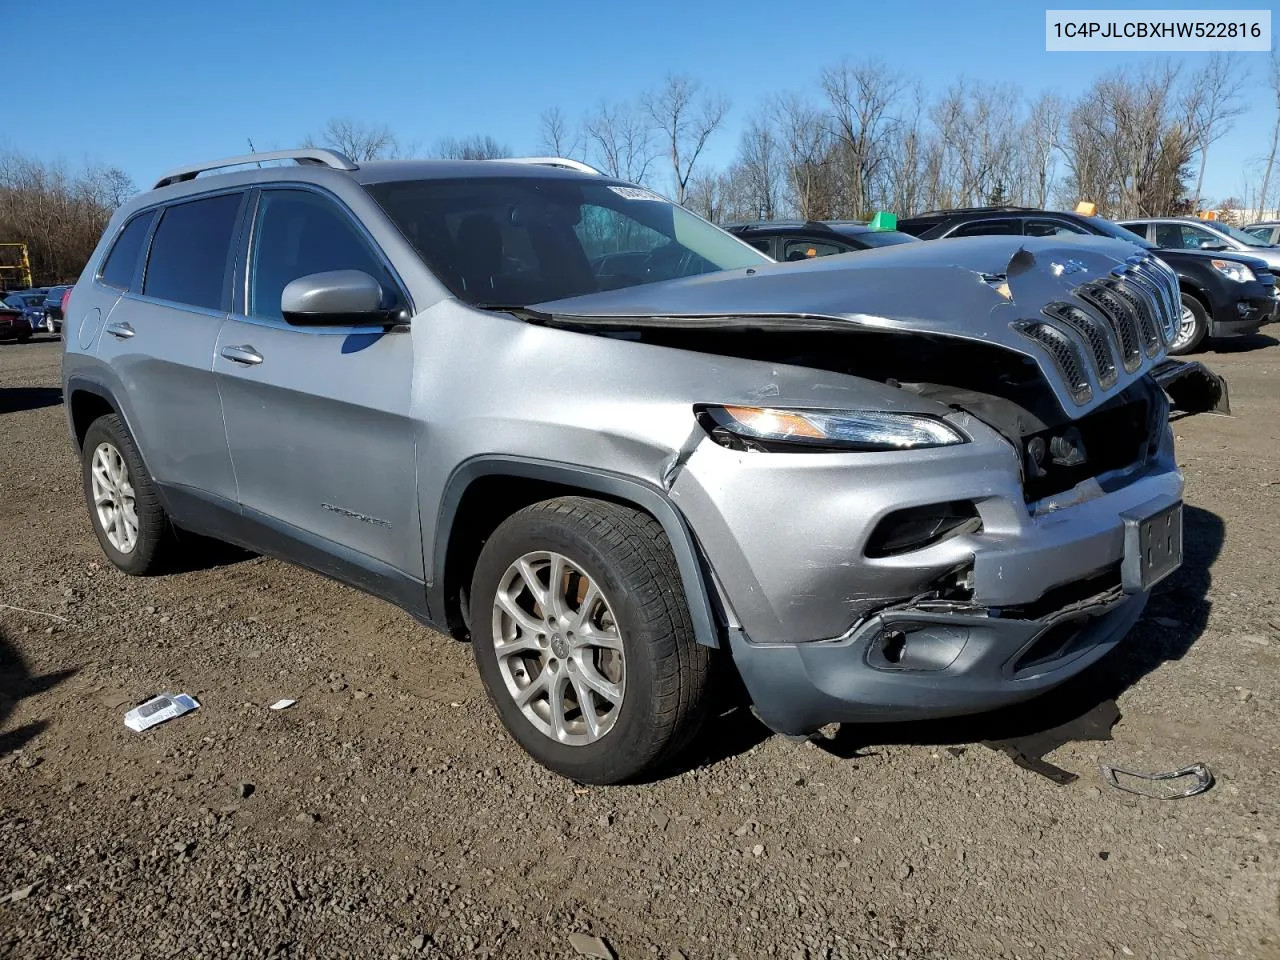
(121, 263)
(190, 250)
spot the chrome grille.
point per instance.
(1164, 283)
(1067, 356)
(1095, 335)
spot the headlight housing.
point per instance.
(799, 431)
(1235, 271)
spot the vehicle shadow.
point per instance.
(16, 399)
(1255, 341)
(205, 553)
(16, 683)
(1175, 618)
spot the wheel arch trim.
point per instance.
(689, 562)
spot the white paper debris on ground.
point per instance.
(282, 704)
(159, 709)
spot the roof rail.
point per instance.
(316, 155)
(562, 162)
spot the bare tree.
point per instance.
(1264, 196)
(359, 141)
(759, 173)
(557, 138)
(686, 117)
(863, 98)
(619, 141)
(477, 147)
(1043, 139)
(1212, 103)
(806, 143)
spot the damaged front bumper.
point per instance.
(913, 664)
(822, 632)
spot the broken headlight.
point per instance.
(796, 431)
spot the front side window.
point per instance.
(121, 264)
(1193, 238)
(516, 241)
(297, 233)
(190, 249)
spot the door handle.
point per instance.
(121, 330)
(242, 353)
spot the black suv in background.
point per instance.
(802, 240)
(1219, 298)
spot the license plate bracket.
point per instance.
(1152, 547)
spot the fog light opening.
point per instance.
(893, 644)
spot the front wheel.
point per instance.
(583, 640)
(1193, 327)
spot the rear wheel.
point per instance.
(127, 517)
(583, 639)
(1192, 327)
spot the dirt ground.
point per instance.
(388, 815)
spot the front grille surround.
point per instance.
(1117, 321)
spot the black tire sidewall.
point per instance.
(152, 522)
(1202, 325)
(629, 746)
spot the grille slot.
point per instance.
(1124, 325)
(1067, 355)
(1164, 285)
(1143, 308)
(1094, 333)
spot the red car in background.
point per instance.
(14, 324)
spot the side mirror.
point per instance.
(1212, 245)
(337, 298)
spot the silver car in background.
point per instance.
(622, 452)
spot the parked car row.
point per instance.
(1226, 277)
(34, 310)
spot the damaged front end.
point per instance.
(870, 583)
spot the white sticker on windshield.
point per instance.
(635, 193)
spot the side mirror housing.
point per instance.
(337, 298)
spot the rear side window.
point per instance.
(984, 228)
(1051, 228)
(807, 249)
(189, 252)
(122, 262)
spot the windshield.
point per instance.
(513, 241)
(1235, 233)
(883, 238)
(1109, 229)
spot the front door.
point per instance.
(317, 418)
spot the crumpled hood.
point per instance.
(973, 288)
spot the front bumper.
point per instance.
(1246, 314)
(990, 662)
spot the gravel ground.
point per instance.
(387, 814)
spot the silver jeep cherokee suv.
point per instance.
(615, 446)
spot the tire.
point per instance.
(636, 641)
(153, 542)
(1193, 328)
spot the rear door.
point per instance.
(317, 418)
(159, 340)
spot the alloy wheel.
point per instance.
(1186, 329)
(559, 648)
(113, 497)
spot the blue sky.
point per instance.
(147, 86)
